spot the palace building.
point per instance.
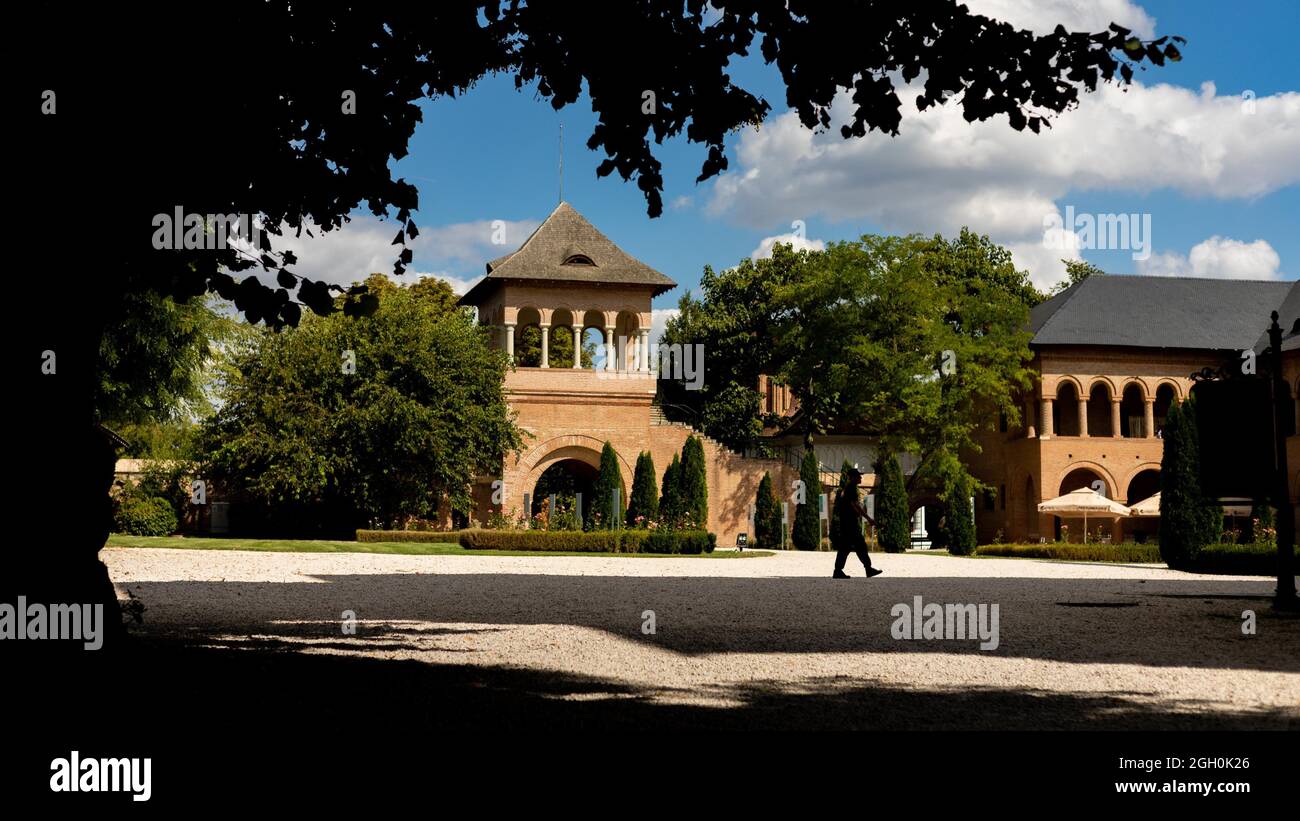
(1112, 354)
(566, 280)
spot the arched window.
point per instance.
(1065, 410)
(1132, 412)
(578, 259)
(1099, 410)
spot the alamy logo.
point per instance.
(55, 622)
(1091, 232)
(75, 774)
(202, 232)
(929, 622)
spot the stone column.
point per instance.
(578, 331)
(1045, 420)
(1083, 417)
(1030, 430)
(645, 351)
(1149, 420)
(546, 345)
(510, 340)
(611, 349)
(1115, 418)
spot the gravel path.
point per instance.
(772, 640)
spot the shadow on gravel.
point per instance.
(223, 692)
(1192, 623)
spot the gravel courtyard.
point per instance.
(445, 641)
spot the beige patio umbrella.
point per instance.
(1150, 506)
(1083, 502)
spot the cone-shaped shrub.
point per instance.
(644, 504)
(1188, 521)
(959, 522)
(892, 519)
(767, 516)
(695, 485)
(605, 516)
(670, 503)
(807, 533)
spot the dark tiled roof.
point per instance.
(1288, 317)
(1158, 312)
(549, 254)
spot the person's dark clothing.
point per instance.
(848, 536)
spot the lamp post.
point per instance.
(1285, 596)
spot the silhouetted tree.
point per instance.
(331, 104)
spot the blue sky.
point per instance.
(1218, 173)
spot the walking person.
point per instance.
(846, 533)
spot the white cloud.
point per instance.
(798, 241)
(659, 320)
(1219, 257)
(1042, 16)
(942, 173)
(364, 246)
(680, 203)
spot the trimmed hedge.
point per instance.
(1238, 560)
(426, 536)
(1144, 553)
(1222, 559)
(139, 515)
(679, 541)
(598, 541)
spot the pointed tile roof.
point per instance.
(568, 248)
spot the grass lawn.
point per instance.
(403, 548)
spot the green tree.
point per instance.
(919, 337)
(644, 504)
(807, 533)
(1076, 271)
(694, 485)
(605, 515)
(671, 507)
(893, 526)
(1188, 521)
(733, 319)
(959, 521)
(154, 360)
(347, 420)
(767, 516)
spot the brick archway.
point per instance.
(579, 447)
